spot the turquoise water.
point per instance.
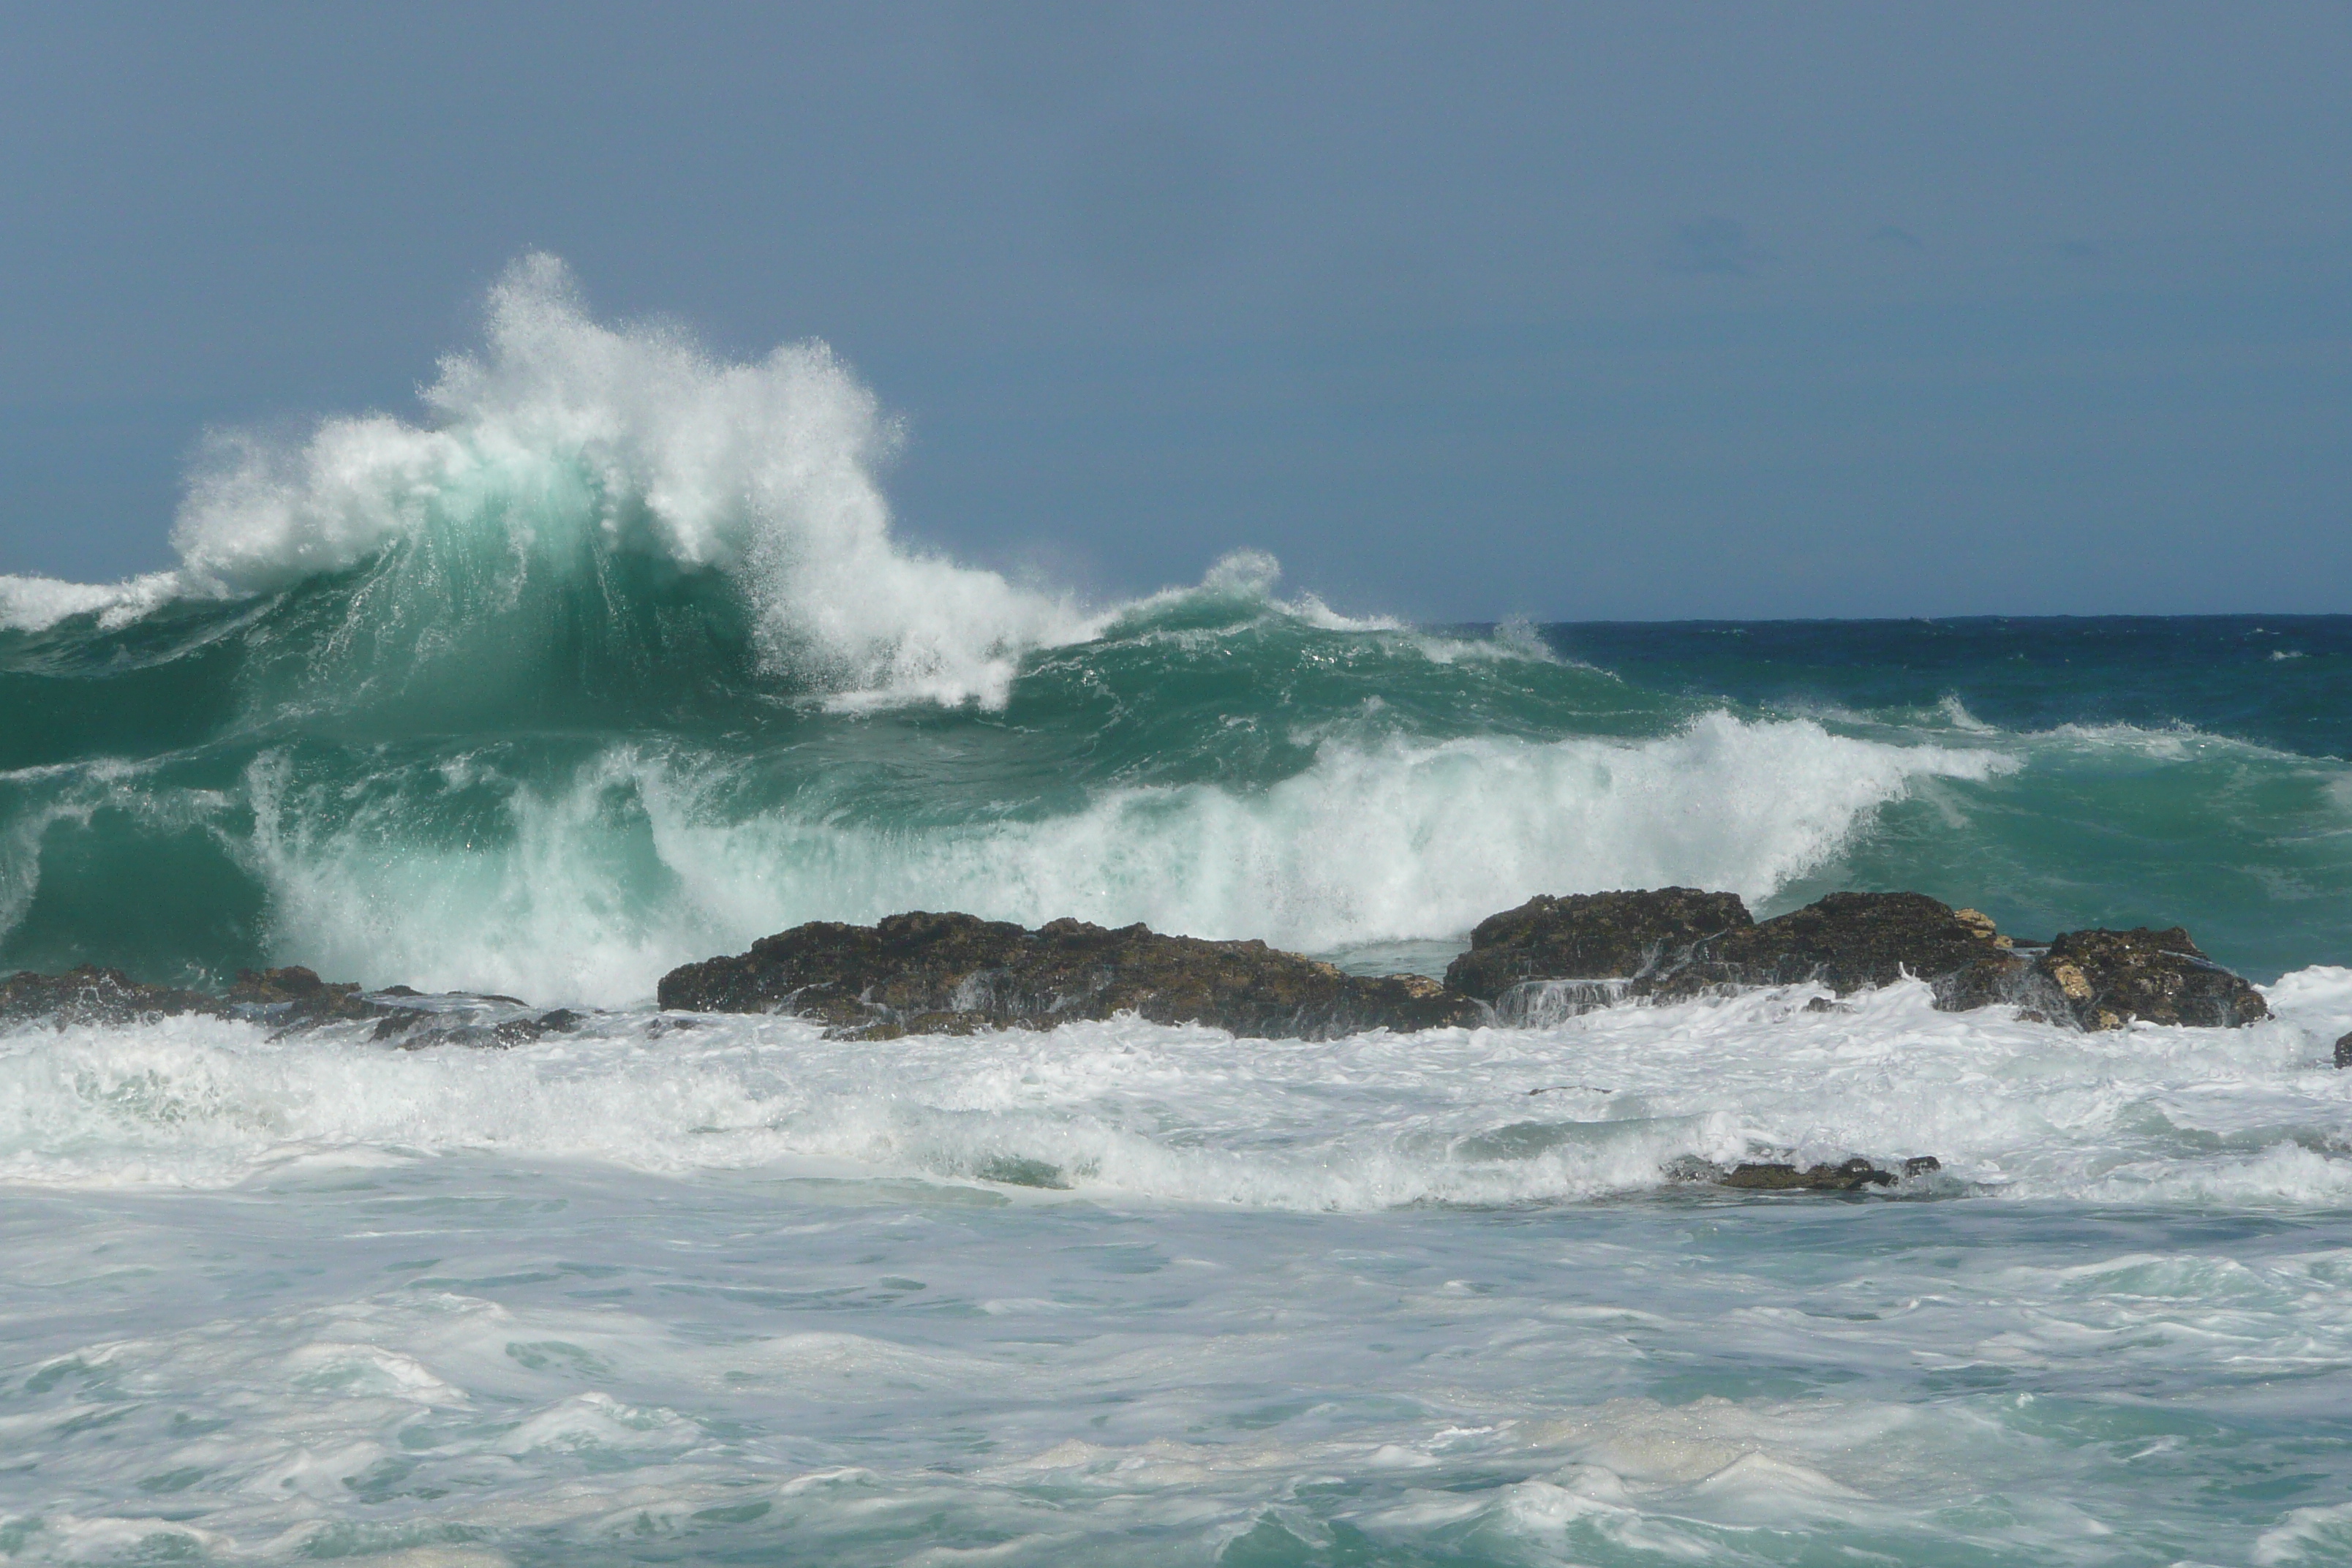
(610, 659)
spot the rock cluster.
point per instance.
(931, 974)
(935, 974)
(1677, 942)
(94, 995)
(291, 998)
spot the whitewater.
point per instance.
(609, 657)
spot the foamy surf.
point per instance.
(1118, 1290)
(1606, 1102)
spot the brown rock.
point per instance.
(1850, 1176)
(296, 995)
(2104, 979)
(925, 972)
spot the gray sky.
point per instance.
(1463, 311)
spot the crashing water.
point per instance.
(612, 661)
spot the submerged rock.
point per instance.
(945, 973)
(93, 995)
(290, 999)
(2104, 979)
(1846, 1177)
(487, 1022)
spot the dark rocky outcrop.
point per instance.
(1590, 936)
(1563, 955)
(288, 999)
(94, 995)
(296, 997)
(292, 995)
(1673, 944)
(951, 974)
(934, 973)
(2104, 979)
(1853, 941)
(490, 1023)
(1763, 1176)
(2343, 1051)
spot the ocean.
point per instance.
(611, 660)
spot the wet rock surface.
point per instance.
(489, 1023)
(933, 974)
(1590, 936)
(1558, 956)
(295, 996)
(923, 972)
(1852, 1175)
(289, 1000)
(2104, 979)
(93, 995)
(1854, 942)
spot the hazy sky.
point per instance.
(1464, 310)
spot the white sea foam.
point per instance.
(37, 604)
(1096, 1295)
(1603, 1103)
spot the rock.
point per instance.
(1981, 924)
(292, 999)
(1558, 956)
(1850, 1176)
(1763, 1176)
(2343, 1051)
(1589, 936)
(295, 996)
(94, 995)
(2106, 979)
(459, 1019)
(954, 972)
(1672, 944)
(1853, 941)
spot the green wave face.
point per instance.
(592, 775)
